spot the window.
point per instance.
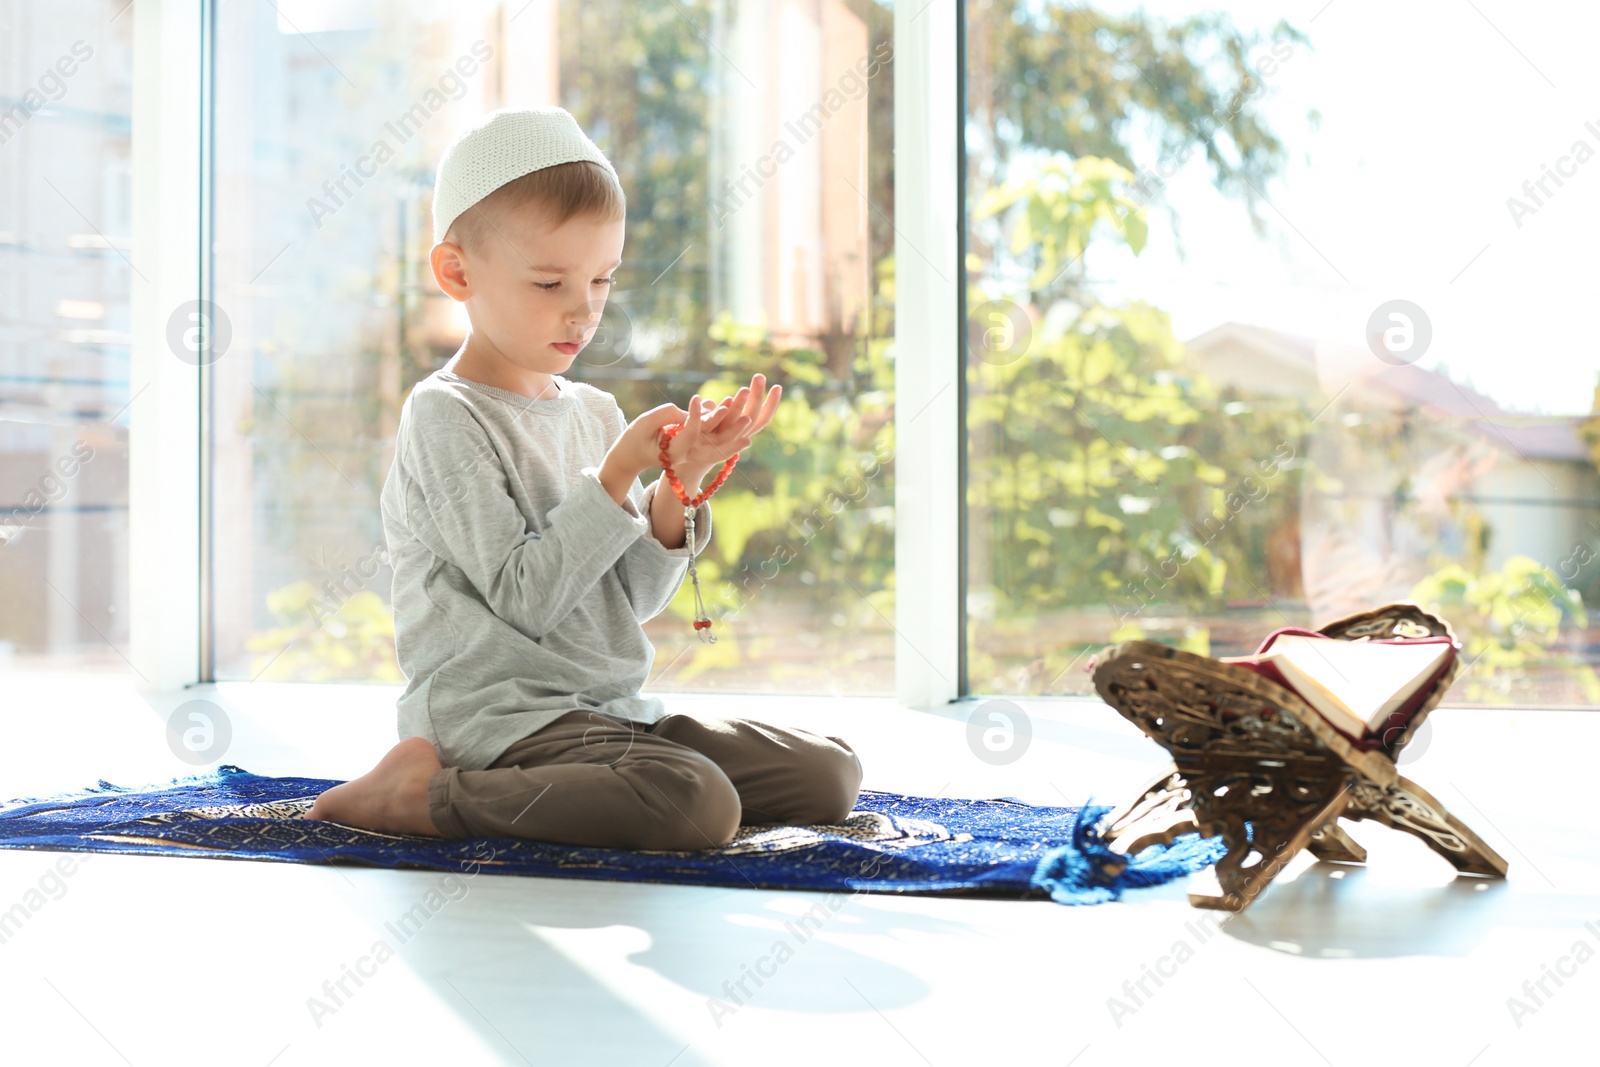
(66, 273)
(1253, 343)
(754, 140)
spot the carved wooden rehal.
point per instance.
(1257, 765)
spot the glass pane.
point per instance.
(753, 141)
(65, 298)
(1253, 342)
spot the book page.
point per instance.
(1371, 680)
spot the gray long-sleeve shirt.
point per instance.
(519, 583)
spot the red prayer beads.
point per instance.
(667, 434)
(702, 622)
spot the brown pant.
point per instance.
(682, 782)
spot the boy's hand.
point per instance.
(713, 433)
(637, 450)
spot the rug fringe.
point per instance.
(1088, 872)
(105, 788)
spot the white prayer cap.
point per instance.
(503, 146)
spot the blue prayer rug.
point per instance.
(890, 843)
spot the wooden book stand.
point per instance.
(1257, 765)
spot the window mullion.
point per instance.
(928, 432)
(164, 412)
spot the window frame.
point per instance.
(165, 455)
(930, 452)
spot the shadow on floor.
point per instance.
(1333, 911)
(539, 961)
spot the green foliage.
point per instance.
(319, 639)
(1101, 464)
(1064, 79)
(811, 503)
(638, 79)
(1065, 201)
(1508, 622)
(1105, 469)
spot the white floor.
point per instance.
(166, 961)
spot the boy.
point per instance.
(526, 553)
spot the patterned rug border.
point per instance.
(891, 843)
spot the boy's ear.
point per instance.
(448, 261)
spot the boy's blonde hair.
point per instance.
(556, 194)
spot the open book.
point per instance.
(1365, 689)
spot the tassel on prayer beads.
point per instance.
(702, 621)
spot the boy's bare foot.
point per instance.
(392, 797)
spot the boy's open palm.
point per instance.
(715, 432)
